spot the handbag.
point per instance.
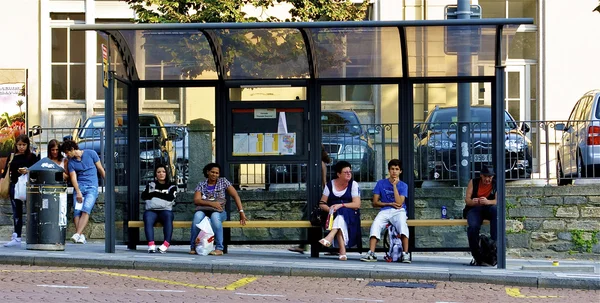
(21, 188)
(5, 184)
(210, 208)
(317, 217)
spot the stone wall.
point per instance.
(541, 221)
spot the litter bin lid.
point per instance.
(46, 165)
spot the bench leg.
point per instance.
(314, 235)
(133, 237)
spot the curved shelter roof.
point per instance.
(305, 50)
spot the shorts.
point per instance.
(90, 194)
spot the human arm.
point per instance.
(100, 169)
(468, 200)
(485, 201)
(78, 194)
(238, 202)
(199, 201)
(323, 174)
(399, 194)
(146, 193)
(354, 203)
(323, 203)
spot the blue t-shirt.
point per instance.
(87, 174)
(385, 190)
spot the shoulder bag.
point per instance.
(210, 208)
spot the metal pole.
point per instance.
(464, 101)
(109, 182)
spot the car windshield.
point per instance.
(92, 128)
(481, 119)
(340, 122)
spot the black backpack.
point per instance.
(487, 250)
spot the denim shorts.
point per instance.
(90, 194)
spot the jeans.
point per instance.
(475, 218)
(216, 222)
(90, 194)
(17, 209)
(163, 216)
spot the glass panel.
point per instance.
(66, 16)
(100, 88)
(432, 51)
(508, 33)
(493, 8)
(59, 45)
(264, 54)
(77, 86)
(357, 52)
(514, 108)
(101, 39)
(171, 93)
(122, 158)
(59, 82)
(153, 93)
(186, 53)
(116, 60)
(513, 84)
(522, 9)
(291, 93)
(77, 45)
(343, 93)
(331, 93)
(523, 46)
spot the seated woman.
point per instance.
(160, 198)
(210, 202)
(342, 195)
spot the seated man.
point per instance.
(390, 194)
(481, 204)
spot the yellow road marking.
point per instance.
(516, 293)
(232, 286)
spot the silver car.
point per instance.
(578, 154)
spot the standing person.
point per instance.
(19, 163)
(342, 195)
(210, 202)
(480, 202)
(55, 154)
(390, 194)
(325, 159)
(160, 199)
(83, 167)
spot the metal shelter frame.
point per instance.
(130, 77)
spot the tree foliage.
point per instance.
(271, 53)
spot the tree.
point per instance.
(251, 53)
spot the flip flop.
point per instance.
(192, 252)
(297, 250)
(325, 242)
(216, 253)
(343, 258)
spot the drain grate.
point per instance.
(402, 284)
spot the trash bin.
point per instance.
(46, 206)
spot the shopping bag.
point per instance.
(5, 184)
(329, 222)
(21, 188)
(205, 242)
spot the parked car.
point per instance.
(155, 144)
(436, 150)
(344, 138)
(578, 153)
(181, 143)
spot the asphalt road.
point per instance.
(46, 284)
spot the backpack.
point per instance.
(487, 250)
(392, 242)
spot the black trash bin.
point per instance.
(46, 206)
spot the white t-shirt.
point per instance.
(354, 193)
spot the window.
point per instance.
(158, 66)
(68, 58)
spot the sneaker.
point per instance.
(81, 239)
(475, 263)
(162, 249)
(14, 241)
(370, 257)
(406, 257)
(151, 249)
(75, 238)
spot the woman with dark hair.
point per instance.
(210, 202)
(160, 198)
(19, 163)
(342, 196)
(55, 154)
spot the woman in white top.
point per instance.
(55, 154)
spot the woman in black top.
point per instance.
(22, 159)
(160, 198)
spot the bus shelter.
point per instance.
(228, 57)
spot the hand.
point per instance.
(217, 205)
(151, 186)
(483, 201)
(79, 197)
(23, 170)
(476, 200)
(397, 205)
(395, 181)
(336, 207)
(243, 219)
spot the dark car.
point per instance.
(436, 151)
(155, 144)
(344, 138)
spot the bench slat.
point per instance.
(304, 224)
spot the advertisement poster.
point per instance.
(12, 115)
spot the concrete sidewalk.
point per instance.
(278, 261)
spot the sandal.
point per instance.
(325, 242)
(297, 250)
(192, 252)
(216, 253)
(343, 258)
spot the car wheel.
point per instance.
(560, 176)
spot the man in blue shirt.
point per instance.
(83, 168)
(389, 194)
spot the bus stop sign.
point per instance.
(462, 38)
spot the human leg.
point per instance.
(150, 217)
(17, 208)
(198, 216)
(474, 221)
(90, 194)
(491, 213)
(379, 224)
(216, 222)
(166, 217)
